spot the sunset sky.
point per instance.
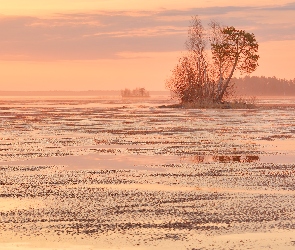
(113, 44)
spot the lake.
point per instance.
(112, 173)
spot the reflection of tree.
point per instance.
(222, 158)
(252, 158)
(236, 158)
(198, 158)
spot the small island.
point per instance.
(204, 80)
(135, 93)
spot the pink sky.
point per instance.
(89, 45)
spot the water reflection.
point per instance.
(222, 158)
(139, 162)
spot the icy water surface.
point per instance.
(120, 174)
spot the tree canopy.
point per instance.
(205, 71)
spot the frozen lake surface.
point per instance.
(102, 173)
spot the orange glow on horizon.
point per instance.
(145, 70)
(149, 70)
(110, 45)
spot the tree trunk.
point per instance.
(226, 84)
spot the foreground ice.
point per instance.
(101, 174)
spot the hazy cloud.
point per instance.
(98, 35)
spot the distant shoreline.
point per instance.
(94, 93)
(73, 93)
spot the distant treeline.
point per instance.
(267, 86)
(138, 92)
